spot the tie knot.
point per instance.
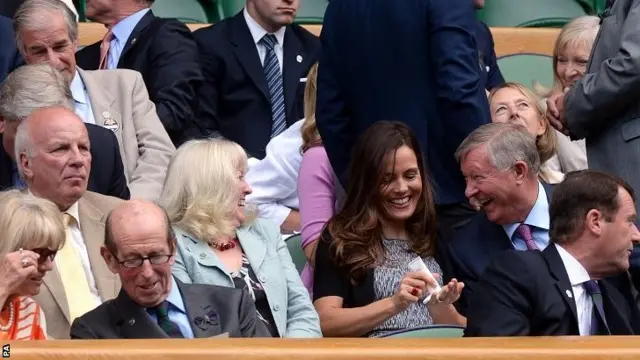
(524, 231)
(591, 287)
(67, 219)
(162, 310)
(108, 37)
(269, 40)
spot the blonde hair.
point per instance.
(581, 31)
(309, 130)
(200, 192)
(545, 143)
(29, 222)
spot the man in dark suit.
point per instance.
(500, 163)
(140, 247)
(490, 72)
(255, 67)
(9, 56)
(162, 50)
(410, 61)
(561, 290)
(33, 87)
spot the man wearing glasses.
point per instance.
(140, 247)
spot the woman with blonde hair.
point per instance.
(32, 234)
(511, 102)
(220, 242)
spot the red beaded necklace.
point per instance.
(223, 246)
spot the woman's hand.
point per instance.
(15, 268)
(410, 290)
(449, 293)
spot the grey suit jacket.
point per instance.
(269, 258)
(93, 209)
(122, 318)
(604, 106)
(120, 102)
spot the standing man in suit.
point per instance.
(9, 55)
(52, 149)
(500, 163)
(117, 99)
(409, 61)
(162, 50)
(140, 248)
(33, 87)
(489, 70)
(255, 66)
(560, 291)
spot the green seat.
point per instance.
(294, 244)
(187, 11)
(527, 69)
(530, 13)
(434, 331)
(310, 11)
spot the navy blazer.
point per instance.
(9, 56)
(490, 72)
(472, 247)
(234, 100)
(413, 61)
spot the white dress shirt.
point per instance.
(577, 276)
(257, 32)
(121, 33)
(274, 179)
(81, 249)
(81, 101)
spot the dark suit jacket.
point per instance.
(107, 172)
(471, 249)
(9, 56)
(234, 100)
(526, 293)
(122, 318)
(491, 75)
(414, 61)
(164, 52)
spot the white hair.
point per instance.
(36, 15)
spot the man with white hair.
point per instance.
(46, 32)
(53, 155)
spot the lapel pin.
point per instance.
(132, 322)
(199, 321)
(299, 58)
(203, 255)
(211, 318)
(133, 41)
(111, 124)
(106, 114)
(569, 294)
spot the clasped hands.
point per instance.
(555, 111)
(413, 288)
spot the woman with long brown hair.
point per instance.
(362, 282)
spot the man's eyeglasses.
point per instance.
(137, 262)
(45, 254)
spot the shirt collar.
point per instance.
(538, 216)
(78, 89)
(257, 32)
(575, 271)
(175, 298)
(123, 29)
(73, 210)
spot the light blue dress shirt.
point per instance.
(538, 219)
(121, 33)
(81, 101)
(177, 311)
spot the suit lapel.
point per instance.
(563, 285)
(102, 104)
(53, 282)
(203, 317)
(244, 49)
(611, 299)
(134, 322)
(92, 227)
(292, 65)
(6, 168)
(253, 248)
(142, 25)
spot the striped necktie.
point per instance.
(168, 326)
(273, 75)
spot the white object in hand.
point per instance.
(418, 265)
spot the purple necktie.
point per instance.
(524, 231)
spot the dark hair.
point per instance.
(579, 193)
(110, 243)
(356, 230)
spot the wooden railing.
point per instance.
(507, 40)
(593, 348)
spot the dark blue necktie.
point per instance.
(168, 326)
(598, 317)
(274, 80)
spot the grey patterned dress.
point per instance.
(386, 279)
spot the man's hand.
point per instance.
(555, 111)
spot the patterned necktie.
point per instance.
(74, 280)
(168, 326)
(274, 80)
(524, 231)
(104, 50)
(593, 289)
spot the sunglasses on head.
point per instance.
(45, 253)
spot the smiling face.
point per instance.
(243, 190)
(273, 14)
(571, 63)
(401, 188)
(31, 285)
(511, 105)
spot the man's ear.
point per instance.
(109, 259)
(521, 170)
(25, 162)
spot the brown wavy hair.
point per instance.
(356, 230)
(309, 130)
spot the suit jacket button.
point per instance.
(203, 255)
(263, 279)
(276, 307)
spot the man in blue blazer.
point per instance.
(490, 72)
(9, 56)
(414, 61)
